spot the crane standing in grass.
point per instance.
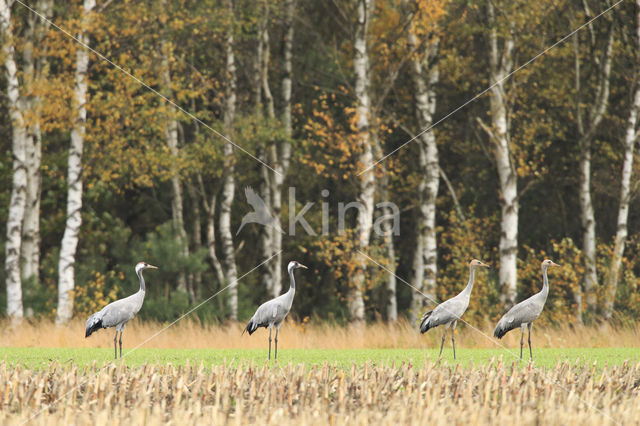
(118, 313)
(450, 311)
(275, 311)
(526, 312)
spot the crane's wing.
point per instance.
(255, 201)
(444, 313)
(522, 313)
(119, 311)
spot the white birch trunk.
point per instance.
(33, 150)
(33, 69)
(587, 216)
(66, 266)
(195, 278)
(392, 285)
(630, 139)
(500, 65)
(228, 184)
(283, 148)
(226, 237)
(15, 217)
(210, 209)
(366, 184)
(424, 73)
(171, 139)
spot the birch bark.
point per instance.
(366, 184)
(630, 139)
(15, 216)
(598, 108)
(425, 75)
(171, 139)
(34, 67)
(228, 180)
(210, 209)
(66, 266)
(501, 65)
(283, 147)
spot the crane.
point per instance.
(273, 312)
(118, 313)
(450, 311)
(526, 312)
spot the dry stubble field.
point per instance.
(500, 391)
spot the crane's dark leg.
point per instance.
(277, 330)
(270, 342)
(522, 340)
(115, 344)
(121, 331)
(453, 339)
(442, 343)
(530, 353)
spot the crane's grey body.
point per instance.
(449, 312)
(524, 313)
(118, 313)
(273, 312)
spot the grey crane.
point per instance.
(450, 311)
(273, 312)
(118, 313)
(526, 312)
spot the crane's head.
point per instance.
(295, 265)
(548, 263)
(476, 262)
(144, 265)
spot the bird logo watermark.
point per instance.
(385, 215)
(260, 214)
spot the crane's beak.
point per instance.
(484, 265)
(152, 267)
(553, 264)
(300, 265)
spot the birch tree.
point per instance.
(34, 66)
(66, 266)
(171, 139)
(283, 145)
(587, 124)
(500, 66)
(366, 179)
(630, 138)
(265, 106)
(228, 179)
(424, 75)
(210, 210)
(15, 217)
(277, 152)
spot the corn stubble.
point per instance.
(297, 394)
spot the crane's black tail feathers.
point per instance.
(93, 324)
(501, 330)
(424, 324)
(251, 327)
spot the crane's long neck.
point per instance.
(545, 281)
(292, 288)
(143, 288)
(469, 287)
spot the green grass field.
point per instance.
(36, 358)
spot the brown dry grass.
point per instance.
(188, 334)
(434, 394)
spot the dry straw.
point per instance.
(189, 334)
(496, 393)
